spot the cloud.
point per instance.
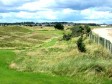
(94, 14)
(1, 17)
(14, 2)
(12, 5)
(83, 4)
(56, 10)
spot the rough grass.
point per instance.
(8, 76)
(48, 55)
(63, 58)
(15, 37)
(14, 29)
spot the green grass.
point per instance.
(63, 59)
(8, 76)
(14, 29)
(50, 43)
(15, 37)
(40, 56)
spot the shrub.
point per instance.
(66, 37)
(88, 29)
(80, 30)
(81, 45)
(77, 30)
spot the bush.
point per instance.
(88, 29)
(59, 26)
(81, 45)
(80, 30)
(66, 37)
(77, 30)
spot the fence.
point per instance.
(100, 40)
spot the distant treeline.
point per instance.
(47, 24)
(33, 23)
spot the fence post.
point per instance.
(100, 40)
(111, 48)
(105, 43)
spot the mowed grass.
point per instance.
(50, 60)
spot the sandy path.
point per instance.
(104, 32)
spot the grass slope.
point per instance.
(8, 76)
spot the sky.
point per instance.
(78, 11)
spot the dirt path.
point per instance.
(104, 32)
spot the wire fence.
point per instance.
(100, 40)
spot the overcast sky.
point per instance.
(92, 11)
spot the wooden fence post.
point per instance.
(100, 40)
